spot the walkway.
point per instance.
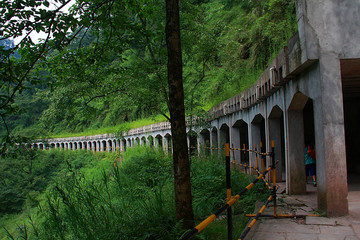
(310, 228)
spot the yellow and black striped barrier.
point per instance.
(228, 204)
(252, 223)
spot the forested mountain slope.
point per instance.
(101, 86)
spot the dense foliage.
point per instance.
(116, 72)
(94, 197)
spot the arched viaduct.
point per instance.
(309, 93)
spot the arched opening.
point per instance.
(80, 145)
(41, 146)
(143, 141)
(57, 145)
(151, 141)
(75, 146)
(239, 140)
(214, 140)
(128, 142)
(301, 131)
(205, 141)
(137, 141)
(35, 146)
(192, 142)
(103, 146)
(71, 146)
(109, 146)
(168, 142)
(276, 132)
(62, 145)
(224, 135)
(259, 139)
(52, 145)
(159, 141)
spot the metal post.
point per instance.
(273, 167)
(228, 189)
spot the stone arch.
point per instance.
(35, 146)
(224, 135)
(109, 146)
(62, 145)
(240, 138)
(71, 146)
(159, 141)
(52, 145)
(80, 145)
(300, 124)
(57, 145)
(168, 141)
(103, 145)
(143, 141)
(258, 137)
(277, 134)
(41, 146)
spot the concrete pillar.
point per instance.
(166, 145)
(108, 145)
(330, 139)
(295, 145)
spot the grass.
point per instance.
(134, 199)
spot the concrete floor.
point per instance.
(317, 228)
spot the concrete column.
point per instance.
(108, 145)
(295, 145)
(166, 145)
(330, 139)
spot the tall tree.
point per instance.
(183, 199)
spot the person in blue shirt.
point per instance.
(310, 167)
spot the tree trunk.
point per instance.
(183, 199)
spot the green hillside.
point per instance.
(103, 84)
